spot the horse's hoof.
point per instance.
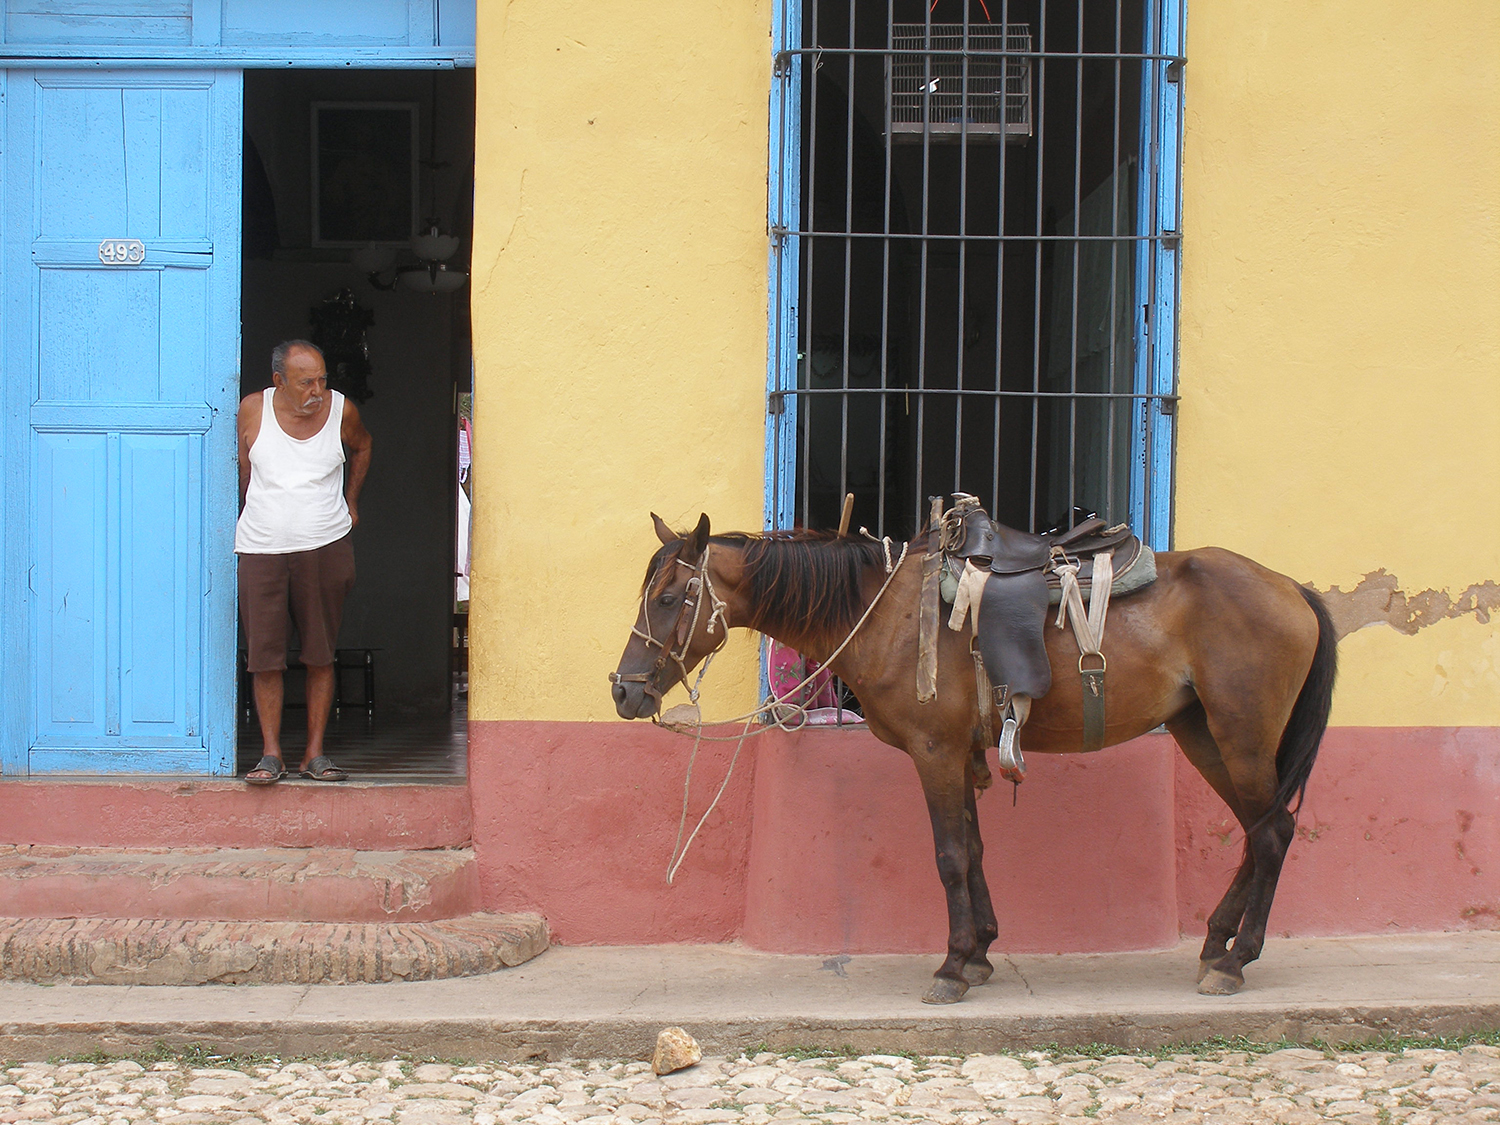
(1216, 982)
(978, 971)
(945, 990)
(1204, 966)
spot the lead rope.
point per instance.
(680, 848)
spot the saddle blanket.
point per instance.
(1138, 575)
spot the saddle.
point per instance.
(1022, 574)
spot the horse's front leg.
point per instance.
(945, 785)
(978, 969)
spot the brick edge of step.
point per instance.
(175, 952)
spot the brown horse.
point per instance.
(1237, 660)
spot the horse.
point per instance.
(1236, 660)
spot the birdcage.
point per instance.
(945, 82)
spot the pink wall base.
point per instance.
(842, 857)
(141, 812)
(1400, 832)
(578, 820)
(821, 842)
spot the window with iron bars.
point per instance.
(974, 216)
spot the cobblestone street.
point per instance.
(1297, 1085)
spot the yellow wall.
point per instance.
(1340, 364)
(1340, 343)
(619, 298)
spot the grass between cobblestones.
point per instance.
(1212, 1048)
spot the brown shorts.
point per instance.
(312, 584)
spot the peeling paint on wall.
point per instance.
(1379, 600)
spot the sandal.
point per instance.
(322, 768)
(273, 766)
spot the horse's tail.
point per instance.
(1309, 719)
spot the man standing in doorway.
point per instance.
(297, 512)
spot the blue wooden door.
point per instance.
(121, 344)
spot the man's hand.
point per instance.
(353, 515)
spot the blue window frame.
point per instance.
(974, 259)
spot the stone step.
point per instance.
(190, 812)
(238, 884)
(179, 952)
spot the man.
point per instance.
(298, 508)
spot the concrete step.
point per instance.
(196, 812)
(238, 884)
(176, 952)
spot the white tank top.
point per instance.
(295, 501)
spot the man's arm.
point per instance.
(248, 425)
(357, 438)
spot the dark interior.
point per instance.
(402, 611)
(1034, 316)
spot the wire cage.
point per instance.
(981, 90)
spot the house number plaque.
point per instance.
(122, 251)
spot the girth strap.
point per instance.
(1089, 629)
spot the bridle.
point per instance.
(675, 642)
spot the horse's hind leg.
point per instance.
(1247, 761)
(977, 968)
(1198, 746)
(1266, 843)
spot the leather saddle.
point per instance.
(1013, 608)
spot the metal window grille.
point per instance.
(952, 313)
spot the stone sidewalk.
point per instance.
(579, 1003)
(1295, 1086)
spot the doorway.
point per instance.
(341, 169)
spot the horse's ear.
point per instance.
(698, 540)
(663, 532)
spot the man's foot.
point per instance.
(268, 771)
(322, 768)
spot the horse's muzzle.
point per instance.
(633, 699)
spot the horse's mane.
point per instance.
(808, 577)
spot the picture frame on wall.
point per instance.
(364, 173)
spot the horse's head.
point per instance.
(675, 627)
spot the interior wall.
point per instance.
(402, 602)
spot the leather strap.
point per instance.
(927, 627)
(1089, 630)
(927, 616)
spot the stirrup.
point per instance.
(1012, 764)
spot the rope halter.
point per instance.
(679, 637)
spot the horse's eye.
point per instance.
(667, 601)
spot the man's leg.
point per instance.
(269, 691)
(263, 609)
(319, 702)
(320, 580)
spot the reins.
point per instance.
(775, 707)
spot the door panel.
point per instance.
(86, 357)
(156, 553)
(68, 576)
(121, 381)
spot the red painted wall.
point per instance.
(842, 857)
(821, 842)
(1400, 832)
(578, 820)
(192, 813)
